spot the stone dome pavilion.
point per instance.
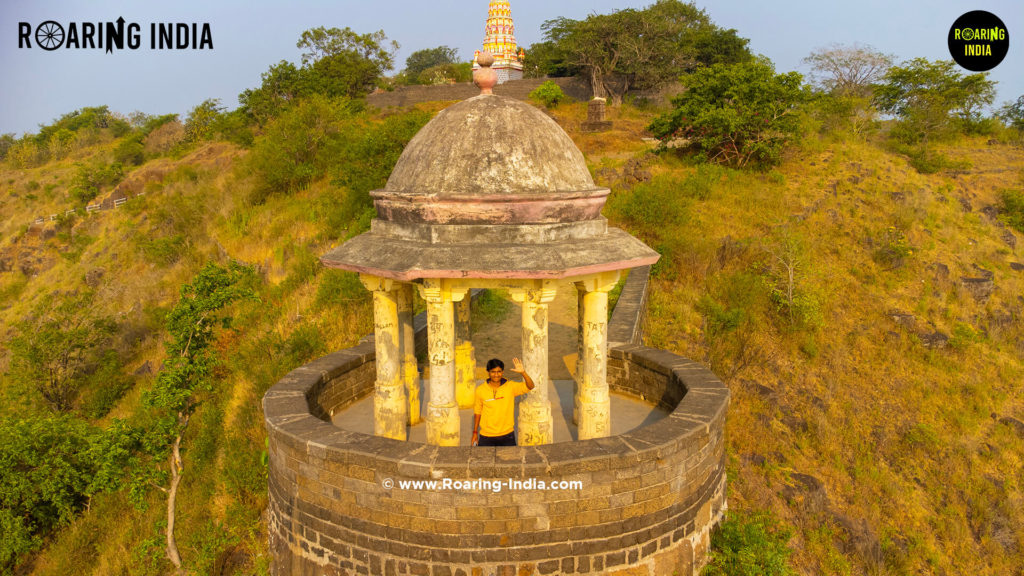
(493, 194)
(490, 193)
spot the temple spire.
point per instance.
(500, 41)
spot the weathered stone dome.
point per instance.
(490, 188)
(490, 145)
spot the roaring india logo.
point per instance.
(52, 35)
(978, 41)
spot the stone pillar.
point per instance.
(595, 412)
(465, 359)
(535, 425)
(442, 411)
(580, 353)
(389, 407)
(407, 345)
(596, 120)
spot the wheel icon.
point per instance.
(50, 35)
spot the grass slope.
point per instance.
(815, 291)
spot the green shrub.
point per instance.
(892, 248)
(298, 146)
(163, 251)
(1011, 209)
(963, 336)
(46, 477)
(657, 207)
(549, 94)
(750, 545)
(130, 152)
(703, 181)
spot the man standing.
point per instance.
(495, 403)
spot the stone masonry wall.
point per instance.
(647, 503)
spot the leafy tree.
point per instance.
(335, 63)
(187, 371)
(420, 60)
(6, 141)
(60, 143)
(47, 473)
(299, 145)
(344, 63)
(282, 84)
(369, 156)
(53, 351)
(198, 124)
(546, 59)
(130, 151)
(638, 49)
(1012, 113)
(847, 70)
(736, 114)
(90, 179)
(930, 98)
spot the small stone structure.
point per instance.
(493, 194)
(596, 116)
(647, 503)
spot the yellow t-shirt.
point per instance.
(497, 407)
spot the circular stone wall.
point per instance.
(347, 503)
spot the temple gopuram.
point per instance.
(500, 41)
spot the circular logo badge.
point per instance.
(978, 41)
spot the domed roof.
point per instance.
(490, 188)
(490, 146)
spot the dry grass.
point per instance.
(916, 474)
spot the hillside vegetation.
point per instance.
(856, 282)
(866, 317)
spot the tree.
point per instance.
(344, 63)
(281, 85)
(929, 97)
(545, 59)
(736, 114)
(187, 371)
(420, 60)
(298, 146)
(53, 351)
(1012, 113)
(638, 49)
(847, 70)
(6, 142)
(47, 468)
(201, 118)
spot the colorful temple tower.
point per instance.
(500, 41)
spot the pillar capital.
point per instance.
(541, 292)
(437, 290)
(600, 282)
(376, 283)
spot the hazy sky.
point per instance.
(37, 86)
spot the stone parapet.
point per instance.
(645, 502)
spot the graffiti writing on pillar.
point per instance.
(441, 354)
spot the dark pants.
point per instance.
(506, 440)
